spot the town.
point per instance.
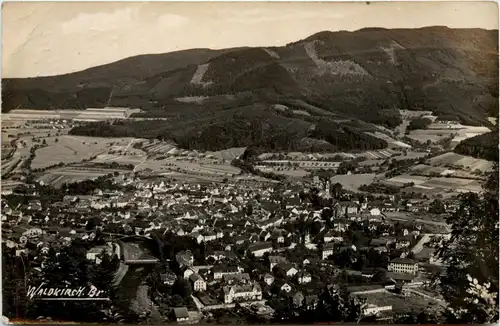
(246, 245)
(286, 163)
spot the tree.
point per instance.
(249, 209)
(92, 223)
(470, 284)
(15, 276)
(70, 267)
(176, 301)
(437, 207)
(337, 190)
(337, 305)
(419, 123)
(182, 288)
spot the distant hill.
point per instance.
(92, 87)
(364, 77)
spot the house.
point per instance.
(210, 236)
(402, 243)
(400, 277)
(332, 236)
(285, 287)
(340, 226)
(242, 292)
(403, 265)
(268, 279)
(379, 242)
(327, 251)
(168, 278)
(275, 260)
(367, 272)
(311, 301)
(304, 278)
(242, 278)
(372, 309)
(220, 270)
(259, 249)
(181, 314)
(240, 239)
(287, 268)
(94, 253)
(33, 232)
(188, 272)
(198, 282)
(20, 252)
(221, 254)
(198, 237)
(298, 299)
(346, 208)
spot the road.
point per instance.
(145, 303)
(420, 244)
(120, 273)
(198, 303)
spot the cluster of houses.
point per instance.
(248, 215)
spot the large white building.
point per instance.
(242, 292)
(403, 265)
(259, 249)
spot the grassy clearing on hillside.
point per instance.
(57, 177)
(73, 149)
(465, 162)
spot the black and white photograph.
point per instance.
(222, 163)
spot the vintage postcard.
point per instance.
(250, 162)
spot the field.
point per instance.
(427, 170)
(57, 177)
(354, 181)
(73, 149)
(465, 162)
(370, 155)
(191, 178)
(229, 154)
(410, 155)
(400, 303)
(437, 131)
(296, 173)
(393, 143)
(88, 114)
(406, 178)
(202, 167)
(436, 183)
(158, 147)
(120, 159)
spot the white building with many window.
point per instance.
(242, 292)
(403, 265)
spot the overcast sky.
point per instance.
(49, 38)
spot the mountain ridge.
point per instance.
(365, 76)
